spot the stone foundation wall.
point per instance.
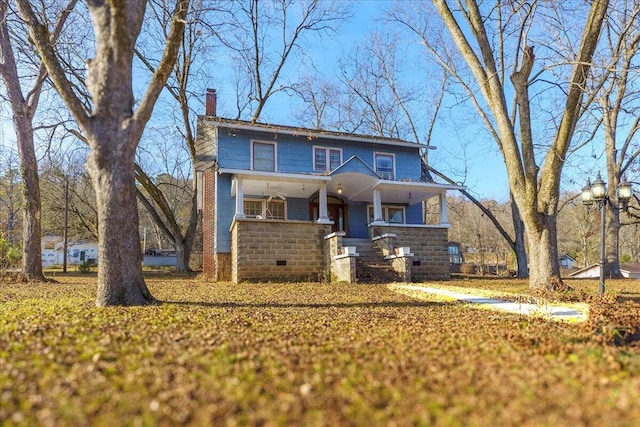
(342, 269)
(264, 250)
(429, 246)
(223, 266)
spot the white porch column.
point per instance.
(444, 214)
(377, 208)
(323, 214)
(239, 198)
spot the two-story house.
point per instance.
(287, 203)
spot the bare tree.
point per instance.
(616, 84)
(113, 129)
(380, 99)
(180, 86)
(265, 36)
(66, 185)
(495, 41)
(321, 103)
(24, 109)
(10, 193)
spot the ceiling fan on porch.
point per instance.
(275, 194)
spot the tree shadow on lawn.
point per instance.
(383, 304)
(629, 296)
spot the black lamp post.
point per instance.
(597, 192)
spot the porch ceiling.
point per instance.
(267, 184)
(355, 186)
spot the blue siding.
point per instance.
(414, 214)
(295, 154)
(234, 152)
(298, 209)
(226, 210)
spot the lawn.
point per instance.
(311, 354)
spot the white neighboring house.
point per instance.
(78, 251)
(629, 271)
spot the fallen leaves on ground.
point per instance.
(306, 354)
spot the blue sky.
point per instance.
(464, 150)
(464, 153)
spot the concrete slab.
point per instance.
(545, 310)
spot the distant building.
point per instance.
(456, 258)
(567, 262)
(629, 271)
(78, 251)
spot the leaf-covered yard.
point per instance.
(309, 354)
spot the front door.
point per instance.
(337, 210)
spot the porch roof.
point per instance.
(356, 184)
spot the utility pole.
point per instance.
(66, 223)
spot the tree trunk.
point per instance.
(31, 214)
(113, 129)
(120, 279)
(184, 248)
(544, 268)
(182, 257)
(520, 247)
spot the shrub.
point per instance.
(468, 268)
(10, 255)
(84, 267)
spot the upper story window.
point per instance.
(385, 163)
(326, 159)
(263, 156)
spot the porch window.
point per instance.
(264, 156)
(395, 215)
(390, 214)
(385, 165)
(252, 208)
(326, 159)
(273, 209)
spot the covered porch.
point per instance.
(349, 200)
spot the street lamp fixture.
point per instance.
(597, 192)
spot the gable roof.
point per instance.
(631, 267)
(355, 165)
(309, 133)
(567, 256)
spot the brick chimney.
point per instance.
(210, 103)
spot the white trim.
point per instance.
(245, 173)
(323, 212)
(239, 198)
(275, 154)
(327, 151)
(335, 234)
(444, 214)
(418, 184)
(393, 164)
